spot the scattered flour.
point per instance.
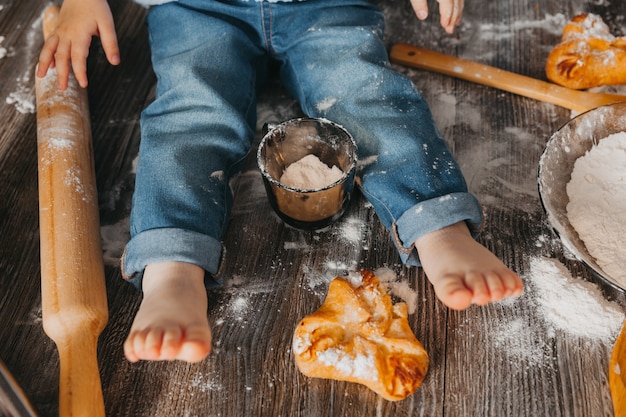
(408, 295)
(239, 306)
(3, 50)
(325, 104)
(520, 339)
(300, 245)
(597, 198)
(239, 301)
(561, 303)
(572, 305)
(204, 383)
(338, 267)
(351, 230)
(193, 385)
(318, 283)
(23, 97)
(400, 289)
(496, 32)
(309, 173)
(591, 27)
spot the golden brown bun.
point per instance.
(588, 55)
(358, 335)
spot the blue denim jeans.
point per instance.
(211, 56)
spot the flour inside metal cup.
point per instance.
(324, 156)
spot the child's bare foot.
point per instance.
(172, 320)
(462, 271)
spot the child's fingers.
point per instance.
(458, 12)
(46, 56)
(421, 8)
(451, 12)
(79, 52)
(62, 60)
(108, 39)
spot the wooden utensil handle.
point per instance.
(617, 374)
(74, 305)
(504, 80)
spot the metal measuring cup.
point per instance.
(290, 141)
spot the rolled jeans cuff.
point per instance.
(173, 245)
(431, 215)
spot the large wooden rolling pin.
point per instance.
(579, 101)
(74, 304)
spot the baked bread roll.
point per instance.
(588, 55)
(358, 335)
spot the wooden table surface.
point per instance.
(505, 359)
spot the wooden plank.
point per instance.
(499, 360)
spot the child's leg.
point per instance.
(195, 136)
(407, 172)
(172, 320)
(462, 271)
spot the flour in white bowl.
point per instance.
(597, 204)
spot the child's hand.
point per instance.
(79, 20)
(450, 11)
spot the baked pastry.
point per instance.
(359, 335)
(588, 55)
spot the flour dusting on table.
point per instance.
(398, 287)
(597, 204)
(562, 306)
(507, 30)
(3, 50)
(23, 96)
(572, 305)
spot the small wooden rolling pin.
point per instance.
(579, 101)
(74, 304)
